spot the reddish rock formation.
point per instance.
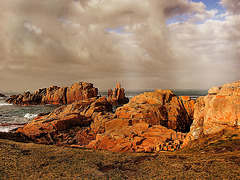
(161, 107)
(80, 91)
(139, 125)
(56, 95)
(2, 95)
(117, 96)
(218, 110)
(27, 98)
(188, 104)
(45, 129)
(149, 122)
(140, 137)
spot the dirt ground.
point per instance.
(219, 159)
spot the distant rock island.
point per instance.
(150, 122)
(2, 95)
(67, 95)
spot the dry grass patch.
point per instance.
(34, 161)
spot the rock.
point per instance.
(2, 95)
(148, 123)
(117, 96)
(188, 104)
(214, 91)
(45, 128)
(80, 91)
(139, 125)
(44, 114)
(159, 107)
(219, 110)
(140, 137)
(55, 95)
(27, 98)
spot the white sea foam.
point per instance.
(30, 116)
(8, 128)
(5, 104)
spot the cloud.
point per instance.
(232, 6)
(32, 27)
(63, 41)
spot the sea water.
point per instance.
(12, 116)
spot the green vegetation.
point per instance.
(219, 160)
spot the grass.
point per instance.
(218, 160)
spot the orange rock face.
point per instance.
(80, 113)
(139, 125)
(218, 110)
(117, 96)
(140, 137)
(55, 95)
(80, 91)
(161, 107)
(149, 122)
(27, 98)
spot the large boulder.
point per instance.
(161, 107)
(117, 96)
(149, 122)
(219, 110)
(80, 91)
(140, 137)
(47, 128)
(55, 95)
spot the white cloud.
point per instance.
(232, 6)
(32, 28)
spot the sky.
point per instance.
(142, 44)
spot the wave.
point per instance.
(9, 128)
(30, 116)
(5, 104)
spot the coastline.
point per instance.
(208, 156)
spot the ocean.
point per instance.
(13, 116)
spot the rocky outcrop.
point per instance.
(161, 107)
(150, 122)
(117, 96)
(140, 137)
(219, 110)
(47, 129)
(2, 95)
(27, 98)
(56, 95)
(80, 91)
(188, 104)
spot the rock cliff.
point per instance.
(217, 111)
